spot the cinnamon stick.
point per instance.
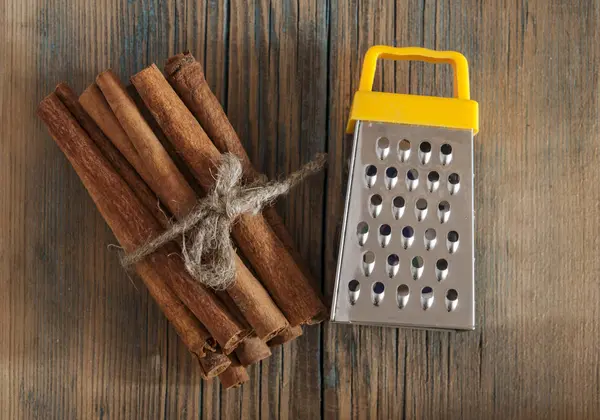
(289, 334)
(252, 350)
(121, 165)
(235, 375)
(276, 268)
(248, 294)
(186, 76)
(191, 332)
(131, 222)
(95, 105)
(213, 364)
(169, 184)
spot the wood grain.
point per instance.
(78, 340)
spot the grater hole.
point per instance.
(421, 209)
(368, 262)
(369, 257)
(452, 241)
(385, 230)
(353, 291)
(417, 262)
(451, 300)
(398, 204)
(370, 175)
(426, 297)
(444, 211)
(453, 183)
(424, 152)
(391, 177)
(393, 263)
(378, 290)
(416, 267)
(425, 147)
(433, 181)
(403, 150)
(402, 294)
(452, 295)
(362, 232)
(412, 179)
(430, 239)
(446, 154)
(383, 147)
(385, 234)
(433, 176)
(375, 204)
(408, 234)
(441, 269)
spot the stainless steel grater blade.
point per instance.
(407, 252)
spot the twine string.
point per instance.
(207, 248)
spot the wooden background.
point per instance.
(78, 339)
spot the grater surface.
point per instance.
(404, 259)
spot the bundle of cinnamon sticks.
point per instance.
(146, 156)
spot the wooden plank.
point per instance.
(82, 340)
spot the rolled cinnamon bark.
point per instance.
(121, 165)
(213, 364)
(289, 334)
(235, 375)
(131, 222)
(252, 350)
(276, 268)
(191, 332)
(93, 102)
(249, 295)
(169, 185)
(187, 78)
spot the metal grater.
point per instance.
(407, 252)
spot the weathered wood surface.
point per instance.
(78, 339)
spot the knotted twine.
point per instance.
(207, 249)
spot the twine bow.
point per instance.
(206, 247)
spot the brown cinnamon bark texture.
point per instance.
(214, 364)
(121, 165)
(250, 297)
(276, 268)
(169, 184)
(252, 350)
(187, 78)
(131, 222)
(92, 100)
(235, 375)
(289, 334)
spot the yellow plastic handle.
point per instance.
(456, 60)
